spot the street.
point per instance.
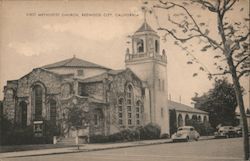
(207, 150)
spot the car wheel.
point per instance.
(196, 139)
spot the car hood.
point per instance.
(179, 133)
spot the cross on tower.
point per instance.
(144, 10)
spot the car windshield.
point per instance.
(226, 128)
(184, 129)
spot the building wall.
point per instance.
(95, 90)
(117, 89)
(23, 92)
(151, 71)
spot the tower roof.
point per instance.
(73, 62)
(145, 27)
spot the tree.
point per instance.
(229, 44)
(76, 119)
(172, 121)
(220, 102)
(247, 111)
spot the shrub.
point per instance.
(99, 139)
(165, 136)
(150, 131)
(203, 129)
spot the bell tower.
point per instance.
(150, 65)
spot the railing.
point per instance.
(138, 56)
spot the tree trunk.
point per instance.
(237, 87)
(240, 102)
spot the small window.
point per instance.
(129, 121)
(163, 85)
(96, 119)
(162, 112)
(129, 115)
(140, 46)
(159, 84)
(120, 122)
(138, 122)
(80, 72)
(156, 46)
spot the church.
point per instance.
(114, 100)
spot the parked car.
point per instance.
(225, 132)
(238, 131)
(185, 133)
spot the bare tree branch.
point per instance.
(226, 6)
(195, 23)
(223, 73)
(242, 60)
(243, 72)
(178, 38)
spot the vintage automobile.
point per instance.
(185, 133)
(238, 131)
(225, 132)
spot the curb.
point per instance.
(99, 149)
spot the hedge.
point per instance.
(150, 131)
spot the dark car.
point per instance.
(226, 132)
(238, 131)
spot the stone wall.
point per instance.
(95, 90)
(117, 89)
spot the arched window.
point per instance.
(156, 46)
(186, 119)
(140, 46)
(180, 120)
(38, 101)
(138, 112)
(199, 118)
(129, 93)
(23, 109)
(194, 117)
(120, 111)
(205, 119)
(52, 105)
(9, 95)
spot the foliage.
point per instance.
(76, 117)
(230, 43)
(203, 128)
(20, 136)
(247, 111)
(15, 135)
(172, 121)
(150, 131)
(220, 102)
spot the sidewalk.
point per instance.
(88, 147)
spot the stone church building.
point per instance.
(114, 99)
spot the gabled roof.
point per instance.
(114, 72)
(101, 77)
(73, 62)
(42, 69)
(184, 108)
(145, 27)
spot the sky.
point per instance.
(35, 33)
